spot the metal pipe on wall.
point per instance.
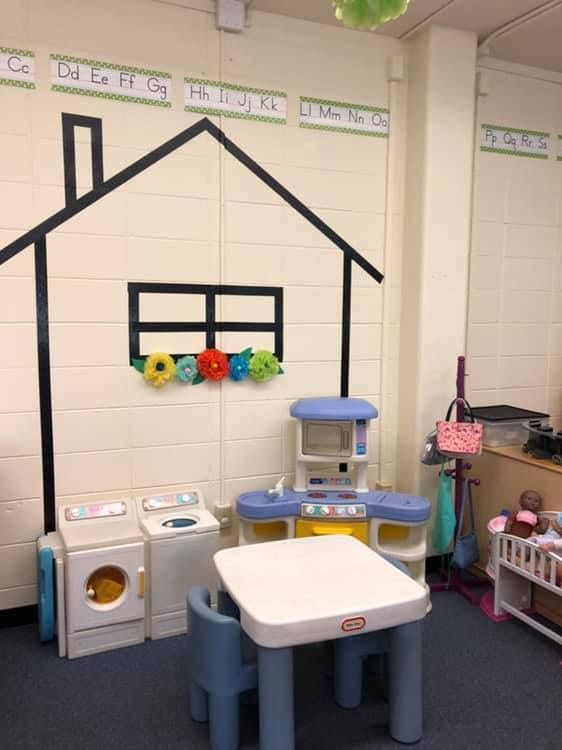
(517, 22)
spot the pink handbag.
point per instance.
(459, 439)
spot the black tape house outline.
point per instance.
(100, 188)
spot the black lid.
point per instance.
(503, 413)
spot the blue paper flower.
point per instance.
(186, 369)
(238, 367)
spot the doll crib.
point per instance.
(519, 564)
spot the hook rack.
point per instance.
(455, 583)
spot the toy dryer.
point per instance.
(99, 581)
(332, 430)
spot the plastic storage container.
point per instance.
(503, 424)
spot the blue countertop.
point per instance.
(392, 506)
(333, 409)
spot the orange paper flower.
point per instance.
(212, 364)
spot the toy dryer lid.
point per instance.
(333, 409)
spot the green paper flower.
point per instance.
(263, 366)
(368, 14)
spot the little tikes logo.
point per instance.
(351, 624)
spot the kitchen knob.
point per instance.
(325, 510)
(352, 510)
(310, 510)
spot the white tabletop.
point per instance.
(316, 588)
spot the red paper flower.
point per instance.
(212, 364)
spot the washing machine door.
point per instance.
(105, 586)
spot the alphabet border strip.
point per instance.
(134, 98)
(82, 90)
(513, 151)
(13, 81)
(237, 114)
(337, 128)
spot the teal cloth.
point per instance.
(444, 524)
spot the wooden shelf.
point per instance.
(515, 452)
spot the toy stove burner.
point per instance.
(347, 495)
(317, 495)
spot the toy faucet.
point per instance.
(278, 490)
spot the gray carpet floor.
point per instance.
(486, 686)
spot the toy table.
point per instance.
(315, 589)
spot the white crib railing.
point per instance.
(521, 563)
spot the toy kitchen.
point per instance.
(331, 494)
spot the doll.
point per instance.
(525, 522)
(555, 545)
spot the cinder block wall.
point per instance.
(197, 217)
(515, 300)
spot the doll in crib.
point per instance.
(555, 545)
(525, 522)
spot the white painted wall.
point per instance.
(196, 217)
(515, 303)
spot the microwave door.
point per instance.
(327, 439)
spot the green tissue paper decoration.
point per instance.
(368, 14)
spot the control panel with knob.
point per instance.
(339, 511)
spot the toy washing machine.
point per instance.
(181, 538)
(99, 568)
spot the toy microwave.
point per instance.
(332, 430)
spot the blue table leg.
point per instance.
(276, 700)
(405, 682)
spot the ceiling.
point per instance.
(536, 41)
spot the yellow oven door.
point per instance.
(310, 527)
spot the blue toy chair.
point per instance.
(217, 672)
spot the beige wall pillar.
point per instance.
(439, 158)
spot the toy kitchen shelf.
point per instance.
(326, 501)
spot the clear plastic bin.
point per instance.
(504, 425)
(503, 433)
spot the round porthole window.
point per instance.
(105, 586)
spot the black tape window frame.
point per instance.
(210, 326)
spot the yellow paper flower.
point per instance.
(159, 368)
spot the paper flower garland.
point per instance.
(368, 14)
(263, 366)
(186, 369)
(211, 364)
(238, 367)
(159, 368)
